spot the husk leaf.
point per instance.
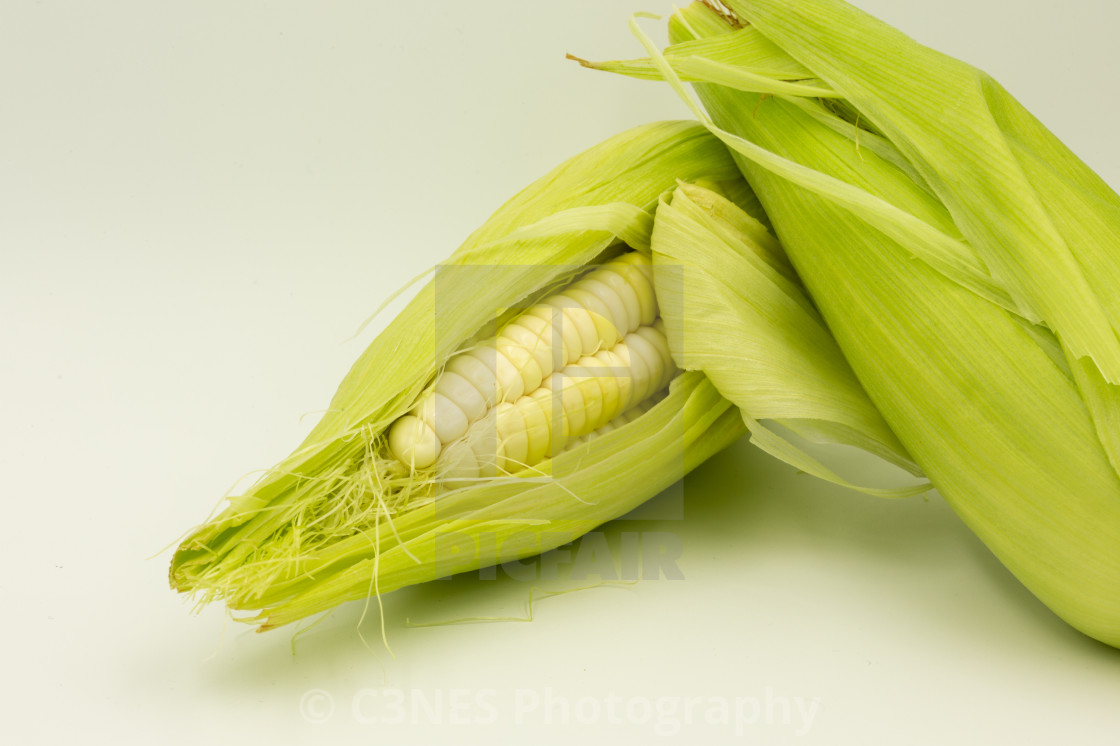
(735, 309)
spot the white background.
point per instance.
(199, 202)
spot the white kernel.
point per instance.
(640, 347)
(625, 294)
(642, 288)
(413, 442)
(463, 393)
(559, 325)
(581, 319)
(656, 337)
(522, 364)
(478, 374)
(511, 385)
(616, 307)
(443, 416)
(620, 372)
(605, 330)
(512, 440)
(538, 430)
(537, 336)
(640, 262)
(639, 372)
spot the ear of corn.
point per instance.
(968, 265)
(482, 427)
(342, 518)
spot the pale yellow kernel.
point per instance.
(642, 288)
(536, 336)
(591, 388)
(442, 415)
(463, 393)
(656, 337)
(413, 442)
(606, 331)
(522, 364)
(575, 366)
(483, 441)
(577, 442)
(625, 294)
(478, 374)
(560, 327)
(640, 347)
(511, 384)
(572, 407)
(583, 322)
(620, 372)
(512, 440)
(639, 372)
(537, 428)
(607, 393)
(489, 460)
(616, 308)
(640, 262)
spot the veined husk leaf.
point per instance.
(1046, 225)
(1006, 406)
(924, 224)
(735, 309)
(750, 58)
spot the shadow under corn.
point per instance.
(739, 514)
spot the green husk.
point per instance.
(968, 265)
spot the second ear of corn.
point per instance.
(552, 376)
(966, 261)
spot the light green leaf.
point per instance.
(734, 309)
(938, 111)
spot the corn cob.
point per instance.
(967, 263)
(503, 405)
